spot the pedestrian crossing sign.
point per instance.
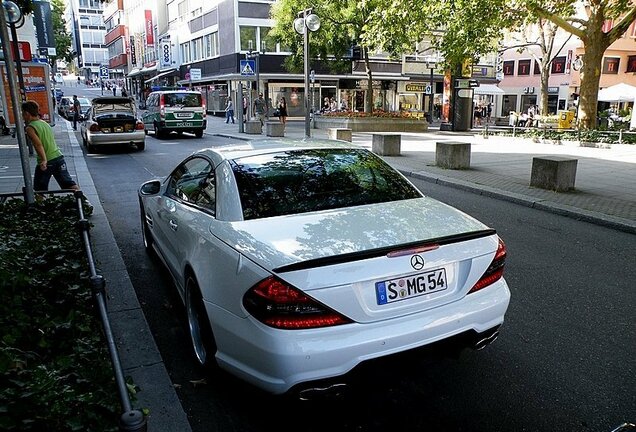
(248, 67)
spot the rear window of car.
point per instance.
(301, 181)
(182, 100)
(106, 107)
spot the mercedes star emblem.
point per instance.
(417, 262)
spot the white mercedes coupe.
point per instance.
(299, 259)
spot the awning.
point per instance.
(162, 74)
(488, 89)
(134, 73)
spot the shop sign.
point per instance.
(37, 87)
(416, 87)
(553, 90)
(362, 84)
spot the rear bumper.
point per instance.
(289, 359)
(184, 125)
(99, 138)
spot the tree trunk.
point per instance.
(590, 78)
(368, 100)
(545, 79)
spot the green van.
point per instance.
(175, 111)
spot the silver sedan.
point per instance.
(112, 121)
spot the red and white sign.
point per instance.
(150, 39)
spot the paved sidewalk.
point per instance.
(605, 194)
(605, 187)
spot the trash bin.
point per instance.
(566, 118)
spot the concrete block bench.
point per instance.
(553, 172)
(452, 155)
(343, 134)
(386, 144)
(274, 129)
(253, 127)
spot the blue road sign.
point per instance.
(248, 67)
(103, 72)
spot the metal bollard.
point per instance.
(620, 136)
(486, 131)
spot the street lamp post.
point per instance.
(10, 16)
(306, 22)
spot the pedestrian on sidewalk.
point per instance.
(259, 108)
(49, 156)
(229, 111)
(77, 107)
(282, 110)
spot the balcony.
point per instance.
(112, 7)
(114, 34)
(118, 61)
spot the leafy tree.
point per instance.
(462, 31)
(588, 27)
(540, 33)
(26, 6)
(62, 36)
(344, 23)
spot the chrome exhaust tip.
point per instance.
(330, 391)
(485, 341)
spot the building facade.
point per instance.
(86, 25)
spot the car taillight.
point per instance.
(139, 125)
(494, 272)
(94, 127)
(277, 304)
(162, 107)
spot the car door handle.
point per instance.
(173, 225)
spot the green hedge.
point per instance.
(568, 135)
(55, 371)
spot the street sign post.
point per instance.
(103, 74)
(248, 67)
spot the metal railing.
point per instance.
(131, 420)
(489, 130)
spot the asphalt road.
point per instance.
(565, 360)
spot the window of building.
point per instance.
(197, 49)
(537, 67)
(183, 9)
(631, 64)
(509, 67)
(610, 65)
(185, 52)
(523, 67)
(607, 26)
(211, 45)
(265, 44)
(558, 65)
(247, 34)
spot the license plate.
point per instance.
(184, 124)
(106, 130)
(183, 115)
(416, 285)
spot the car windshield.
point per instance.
(182, 99)
(302, 181)
(84, 101)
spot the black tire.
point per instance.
(90, 148)
(84, 140)
(141, 146)
(198, 133)
(203, 343)
(145, 131)
(146, 235)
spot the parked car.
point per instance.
(299, 259)
(112, 120)
(175, 111)
(65, 107)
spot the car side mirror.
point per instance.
(151, 187)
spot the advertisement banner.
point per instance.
(42, 19)
(165, 51)
(133, 52)
(150, 39)
(37, 87)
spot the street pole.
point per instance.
(240, 107)
(430, 98)
(17, 112)
(306, 55)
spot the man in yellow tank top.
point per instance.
(49, 156)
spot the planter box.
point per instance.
(372, 124)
